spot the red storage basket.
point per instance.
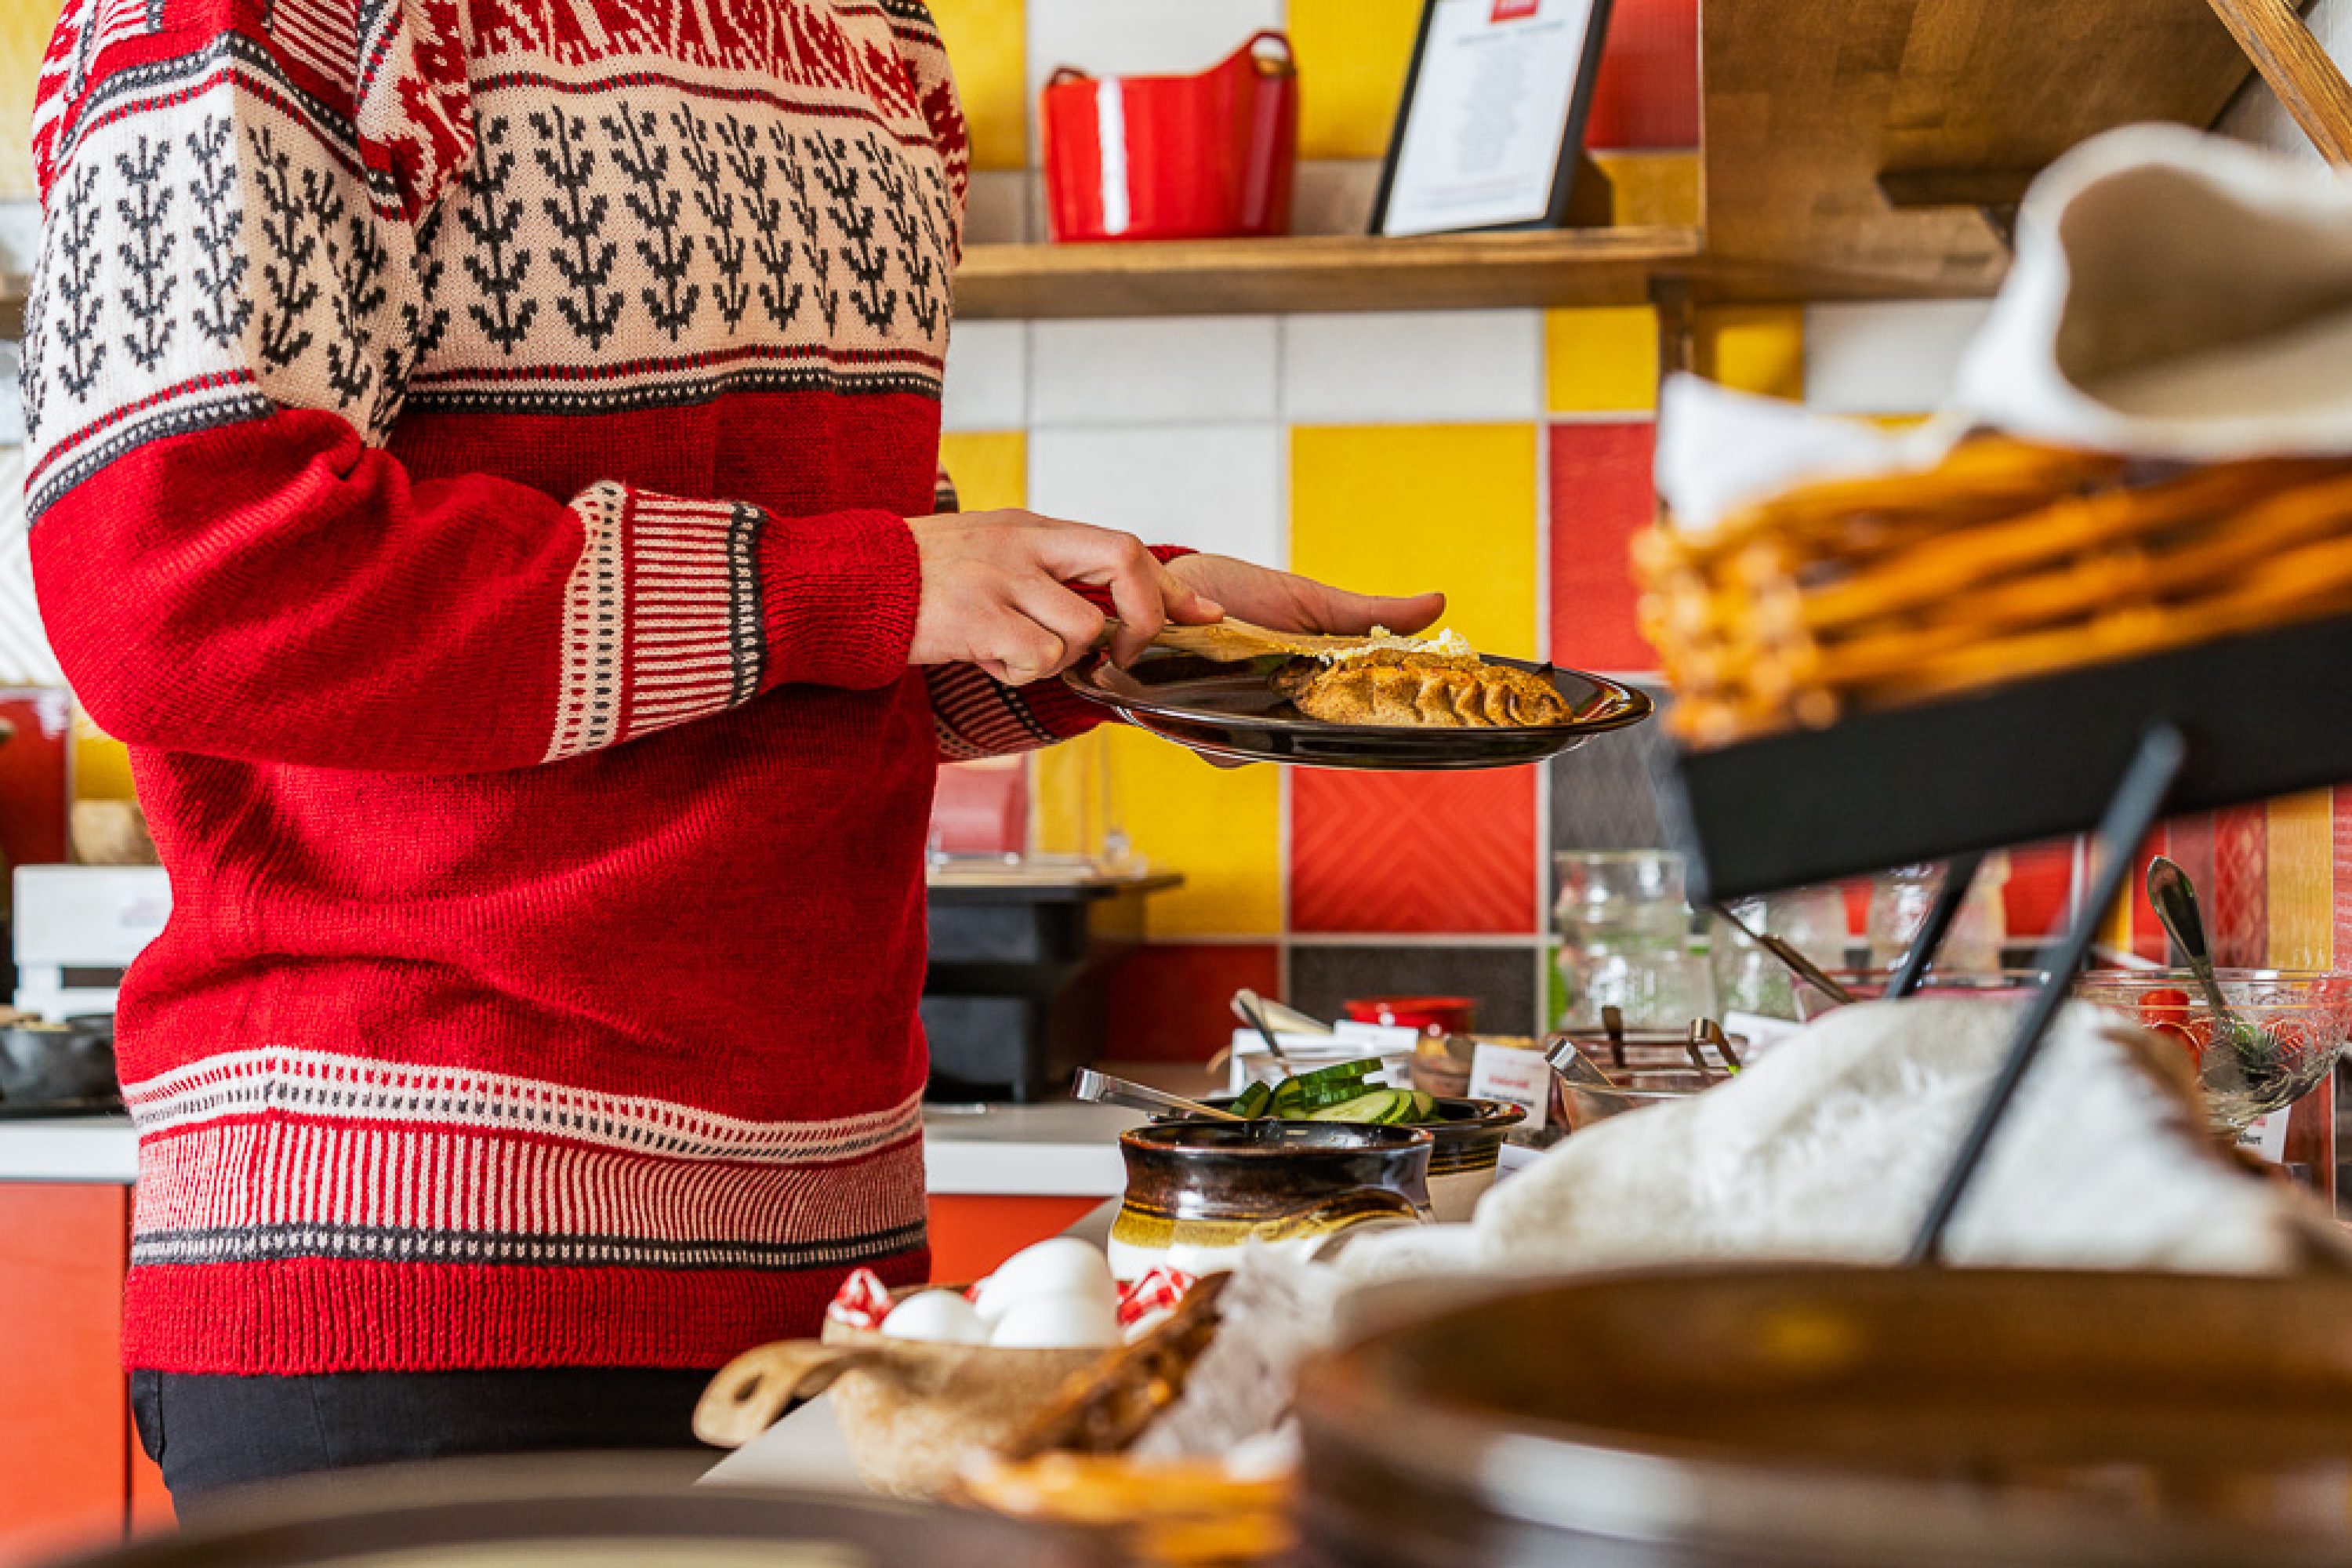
(1174, 157)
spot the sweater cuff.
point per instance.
(839, 594)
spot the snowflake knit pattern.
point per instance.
(471, 446)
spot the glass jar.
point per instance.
(1899, 903)
(1748, 979)
(1624, 925)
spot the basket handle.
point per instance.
(751, 1392)
(1285, 63)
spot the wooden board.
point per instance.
(1808, 102)
(1565, 266)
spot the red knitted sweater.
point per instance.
(471, 442)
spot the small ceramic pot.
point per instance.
(1467, 1151)
(55, 1064)
(1198, 1192)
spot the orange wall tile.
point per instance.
(1414, 853)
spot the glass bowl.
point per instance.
(2299, 1020)
(1870, 985)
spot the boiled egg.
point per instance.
(1057, 1321)
(938, 1317)
(1064, 1265)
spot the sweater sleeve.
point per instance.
(237, 278)
(976, 715)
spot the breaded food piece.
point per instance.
(1406, 691)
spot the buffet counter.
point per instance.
(1059, 1150)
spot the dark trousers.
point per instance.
(213, 1433)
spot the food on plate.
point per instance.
(1421, 688)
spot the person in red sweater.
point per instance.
(473, 451)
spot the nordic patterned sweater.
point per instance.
(471, 445)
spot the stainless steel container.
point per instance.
(1844, 1417)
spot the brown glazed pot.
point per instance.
(1468, 1151)
(1197, 1191)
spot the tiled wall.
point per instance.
(1502, 455)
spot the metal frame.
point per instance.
(2136, 803)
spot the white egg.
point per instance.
(940, 1317)
(1064, 1265)
(1057, 1322)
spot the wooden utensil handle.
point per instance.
(754, 1389)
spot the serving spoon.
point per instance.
(2174, 898)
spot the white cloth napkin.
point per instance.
(2175, 295)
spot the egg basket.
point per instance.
(914, 1414)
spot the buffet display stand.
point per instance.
(2109, 748)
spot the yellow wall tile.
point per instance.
(2302, 862)
(1405, 508)
(1754, 348)
(988, 49)
(1352, 56)
(1601, 361)
(990, 468)
(25, 29)
(1652, 187)
(1222, 828)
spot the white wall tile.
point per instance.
(1895, 357)
(987, 376)
(1137, 38)
(1417, 367)
(1211, 487)
(1143, 370)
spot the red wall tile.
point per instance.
(2343, 849)
(1647, 94)
(1601, 495)
(2147, 938)
(2240, 917)
(1450, 853)
(2040, 883)
(1170, 998)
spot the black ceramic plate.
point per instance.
(1232, 711)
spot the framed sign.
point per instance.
(1492, 116)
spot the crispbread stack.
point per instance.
(2004, 561)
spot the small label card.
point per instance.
(2265, 1136)
(1521, 1078)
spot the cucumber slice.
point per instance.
(1287, 1099)
(1339, 1073)
(1254, 1102)
(1317, 1096)
(1372, 1109)
(1424, 1106)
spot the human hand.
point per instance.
(994, 593)
(1285, 602)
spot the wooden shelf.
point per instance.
(1563, 266)
(1810, 104)
(12, 305)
